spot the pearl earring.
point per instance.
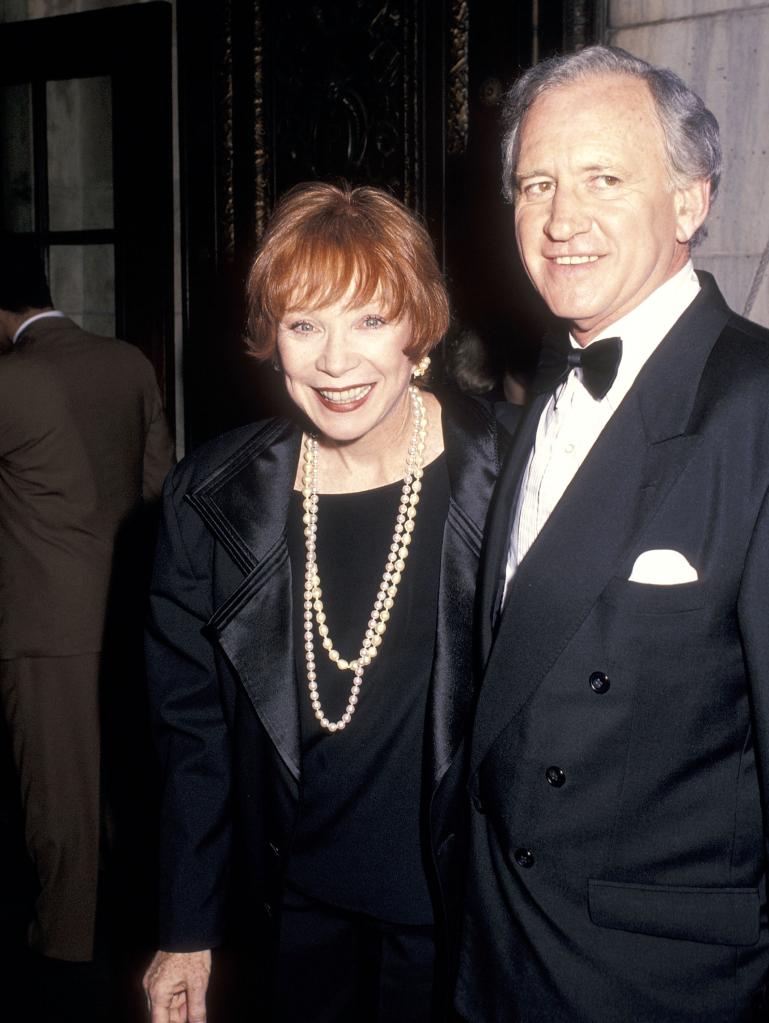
(421, 367)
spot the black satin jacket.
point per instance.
(222, 673)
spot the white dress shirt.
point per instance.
(37, 316)
(572, 420)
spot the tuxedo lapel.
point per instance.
(570, 563)
(632, 465)
(245, 505)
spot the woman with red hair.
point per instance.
(310, 636)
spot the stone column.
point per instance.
(722, 55)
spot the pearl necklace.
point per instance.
(391, 577)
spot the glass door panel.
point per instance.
(79, 143)
(83, 285)
(86, 165)
(17, 208)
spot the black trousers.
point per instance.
(336, 966)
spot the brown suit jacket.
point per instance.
(83, 441)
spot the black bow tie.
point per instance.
(599, 363)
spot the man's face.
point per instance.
(598, 222)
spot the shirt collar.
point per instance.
(643, 328)
(37, 316)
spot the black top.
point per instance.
(358, 844)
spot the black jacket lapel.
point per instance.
(472, 459)
(245, 505)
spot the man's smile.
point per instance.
(573, 260)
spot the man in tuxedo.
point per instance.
(83, 442)
(620, 756)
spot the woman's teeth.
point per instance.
(348, 395)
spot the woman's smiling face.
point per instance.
(345, 367)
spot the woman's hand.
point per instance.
(175, 984)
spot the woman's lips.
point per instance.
(343, 399)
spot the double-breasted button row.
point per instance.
(599, 683)
(554, 775)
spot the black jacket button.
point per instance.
(555, 777)
(599, 682)
(478, 803)
(524, 857)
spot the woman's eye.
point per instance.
(301, 327)
(373, 321)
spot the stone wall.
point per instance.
(20, 10)
(720, 49)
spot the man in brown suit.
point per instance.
(83, 442)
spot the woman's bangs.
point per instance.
(322, 274)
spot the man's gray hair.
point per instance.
(690, 130)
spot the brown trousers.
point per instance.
(51, 706)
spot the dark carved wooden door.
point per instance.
(402, 94)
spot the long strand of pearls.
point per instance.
(391, 577)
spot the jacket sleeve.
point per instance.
(158, 448)
(190, 732)
(753, 611)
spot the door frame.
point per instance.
(132, 46)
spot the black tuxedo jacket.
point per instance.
(620, 756)
(222, 669)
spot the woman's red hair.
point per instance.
(321, 239)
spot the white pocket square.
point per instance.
(663, 568)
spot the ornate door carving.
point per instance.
(397, 93)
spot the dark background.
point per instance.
(403, 95)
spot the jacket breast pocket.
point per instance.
(647, 598)
(714, 916)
